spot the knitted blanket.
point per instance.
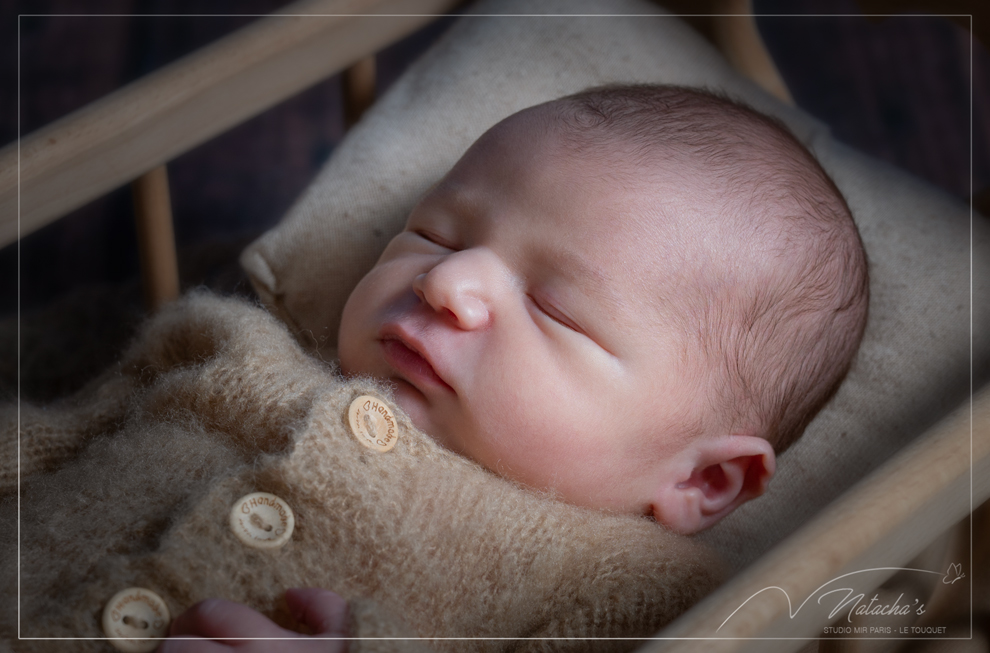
(131, 482)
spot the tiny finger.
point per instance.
(219, 619)
(188, 644)
(323, 611)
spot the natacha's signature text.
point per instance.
(873, 608)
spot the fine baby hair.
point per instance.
(782, 295)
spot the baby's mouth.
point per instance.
(411, 363)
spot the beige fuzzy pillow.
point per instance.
(914, 363)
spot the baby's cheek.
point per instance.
(354, 361)
(347, 349)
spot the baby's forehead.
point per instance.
(594, 196)
(608, 203)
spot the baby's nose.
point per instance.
(458, 287)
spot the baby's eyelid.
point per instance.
(434, 238)
(554, 314)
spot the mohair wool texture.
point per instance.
(130, 483)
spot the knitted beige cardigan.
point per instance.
(130, 483)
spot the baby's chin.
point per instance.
(414, 404)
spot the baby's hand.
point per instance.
(215, 622)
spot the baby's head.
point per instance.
(632, 297)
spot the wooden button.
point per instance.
(262, 520)
(373, 423)
(133, 618)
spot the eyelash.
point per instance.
(553, 314)
(433, 238)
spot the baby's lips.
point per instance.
(406, 359)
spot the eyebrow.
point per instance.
(461, 202)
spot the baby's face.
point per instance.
(517, 316)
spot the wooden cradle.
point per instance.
(890, 517)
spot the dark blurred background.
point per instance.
(900, 88)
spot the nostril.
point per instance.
(419, 284)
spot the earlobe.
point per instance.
(720, 475)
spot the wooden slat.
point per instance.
(884, 521)
(359, 90)
(736, 34)
(149, 122)
(156, 238)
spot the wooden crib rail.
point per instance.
(735, 33)
(158, 117)
(883, 521)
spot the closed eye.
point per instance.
(549, 310)
(434, 238)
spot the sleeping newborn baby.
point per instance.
(630, 297)
(628, 300)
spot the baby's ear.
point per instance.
(711, 478)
